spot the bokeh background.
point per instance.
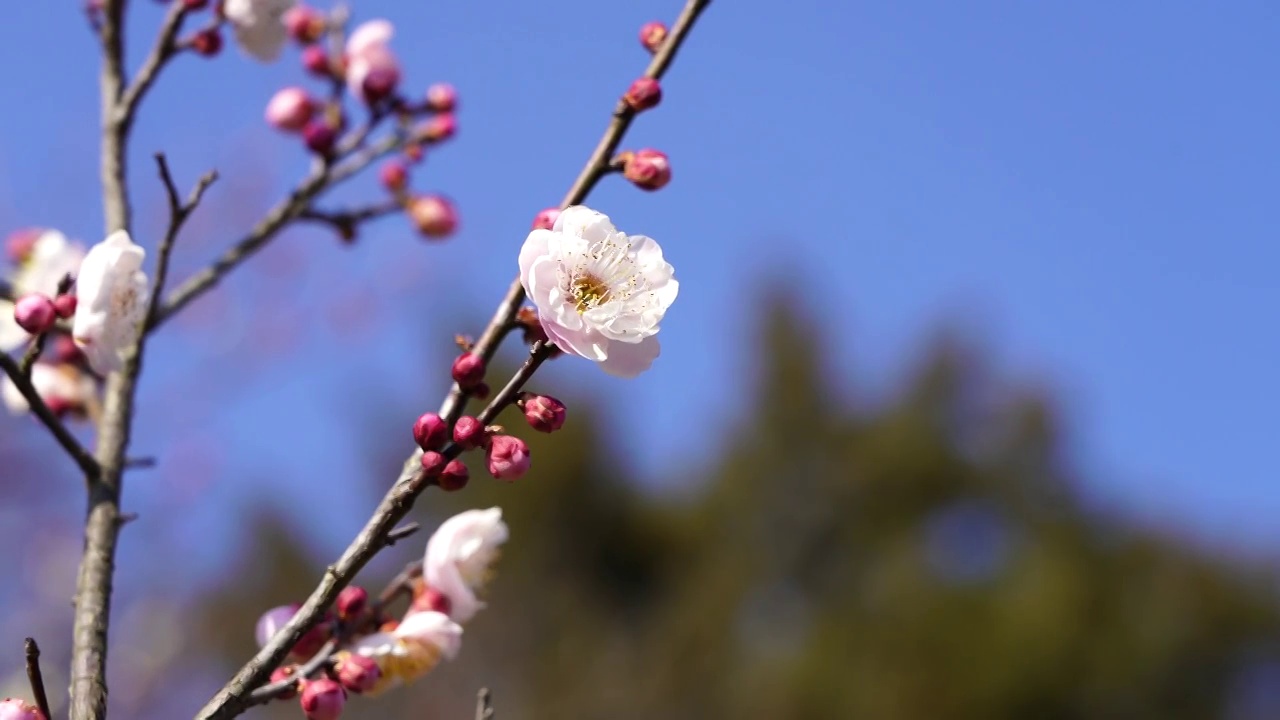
(965, 410)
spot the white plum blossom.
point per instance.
(62, 387)
(369, 48)
(412, 649)
(259, 25)
(51, 258)
(459, 555)
(600, 293)
(112, 301)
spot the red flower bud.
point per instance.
(319, 137)
(432, 462)
(393, 175)
(322, 699)
(469, 432)
(290, 109)
(643, 94)
(508, 457)
(65, 306)
(442, 98)
(652, 35)
(285, 673)
(315, 60)
(305, 24)
(440, 128)
(358, 673)
(454, 476)
(15, 709)
(433, 215)
(207, 42)
(545, 414)
(351, 602)
(431, 599)
(546, 219)
(19, 244)
(649, 169)
(34, 313)
(468, 370)
(430, 431)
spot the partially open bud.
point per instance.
(652, 35)
(315, 59)
(305, 24)
(453, 477)
(430, 431)
(643, 94)
(290, 109)
(508, 457)
(433, 215)
(469, 432)
(351, 602)
(545, 414)
(285, 673)
(379, 83)
(649, 169)
(442, 98)
(393, 175)
(358, 673)
(532, 326)
(207, 42)
(468, 370)
(322, 699)
(15, 709)
(319, 137)
(65, 306)
(546, 219)
(34, 313)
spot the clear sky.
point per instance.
(1089, 189)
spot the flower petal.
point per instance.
(581, 221)
(370, 35)
(627, 360)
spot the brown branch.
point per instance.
(345, 221)
(484, 705)
(36, 678)
(69, 443)
(233, 698)
(179, 211)
(166, 46)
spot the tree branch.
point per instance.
(166, 47)
(78, 453)
(234, 697)
(36, 678)
(179, 211)
(484, 705)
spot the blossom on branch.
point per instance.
(259, 25)
(600, 293)
(459, 558)
(64, 388)
(412, 649)
(44, 258)
(112, 301)
(372, 69)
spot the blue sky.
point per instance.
(1087, 189)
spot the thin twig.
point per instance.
(271, 691)
(36, 677)
(484, 705)
(48, 418)
(345, 221)
(166, 46)
(179, 211)
(232, 699)
(32, 354)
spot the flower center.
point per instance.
(588, 292)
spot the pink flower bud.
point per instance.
(315, 60)
(432, 462)
(19, 244)
(393, 175)
(545, 414)
(34, 313)
(207, 42)
(643, 94)
(533, 332)
(305, 24)
(468, 370)
(65, 306)
(649, 169)
(322, 699)
(290, 109)
(431, 599)
(379, 83)
(285, 673)
(414, 152)
(351, 602)
(15, 709)
(312, 640)
(430, 431)
(546, 219)
(440, 128)
(469, 432)
(454, 476)
(319, 137)
(64, 349)
(442, 98)
(652, 35)
(195, 4)
(358, 673)
(508, 457)
(433, 215)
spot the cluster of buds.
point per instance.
(647, 169)
(369, 651)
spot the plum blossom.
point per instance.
(600, 293)
(412, 649)
(259, 25)
(62, 387)
(112, 292)
(369, 50)
(459, 558)
(50, 258)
